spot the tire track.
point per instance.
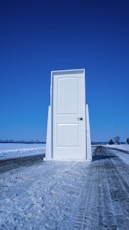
(120, 192)
(104, 201)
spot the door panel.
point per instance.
(67, 95)
(67, 135)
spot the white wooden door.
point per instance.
(68, 110)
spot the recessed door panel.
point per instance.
(67, 135)
(67, 88)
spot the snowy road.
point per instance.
(105, 201)
(65, 195)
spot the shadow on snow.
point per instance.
(101, 157)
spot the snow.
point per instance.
(123, 153)
(9, 151)
(40, 195)
(123, 156)
(68, 195)
(124, 147)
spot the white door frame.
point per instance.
(49, 141)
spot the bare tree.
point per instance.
(127, 141)
(111, 142)
(117, 140)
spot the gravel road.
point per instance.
(65, 195)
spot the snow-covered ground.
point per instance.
(124, 147)
(123, 154)
(52, 195)
(9, 151)
(40, 195)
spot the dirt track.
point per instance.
(65, 195)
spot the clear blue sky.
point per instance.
(39, 36)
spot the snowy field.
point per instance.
(9, 151)
(124, 147)
(52, 195)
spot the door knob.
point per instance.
(80, 118)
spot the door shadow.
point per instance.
(101, 157)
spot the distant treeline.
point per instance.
(23, 142)
(99, 143)
(103, 143)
